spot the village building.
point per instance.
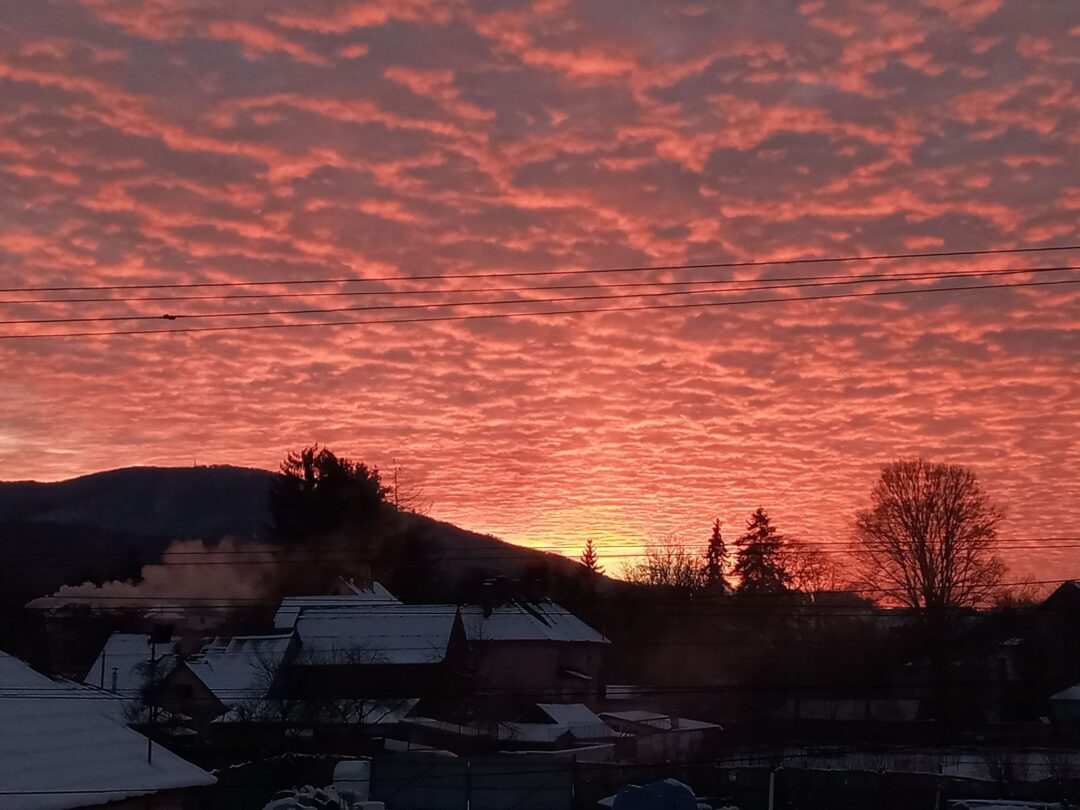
(377, 651)
(345, 594)
(63, 747)
(229, 678)
(544, 650)
(650, 737)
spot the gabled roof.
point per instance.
(375, 634)
(658, 722)
(375, 594)
(570, 713)
(60, 749)
(240, 669)
(129, 655)
(1072, 693)
(526, 621)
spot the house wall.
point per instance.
(536, 669)
(182, 692)
(328, 681)
(1065, 716)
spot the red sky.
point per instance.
(167, 141)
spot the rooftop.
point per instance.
(129, 655)
(356, 596)
(657, 721)
(375, 634)
(240, 668)
(517, 620)
(60, 750)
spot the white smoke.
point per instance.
(191, 574)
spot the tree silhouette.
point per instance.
(667, 563)
(590, 559)
(716, 561)
(317, 493)
(928, 539)
(759, 563)
(927, 543)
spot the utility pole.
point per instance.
(150, 697)
(159, 634)
(772, 787)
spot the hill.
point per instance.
(107, 525)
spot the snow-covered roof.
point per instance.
(526, 621)
(240, 669)
(375, 634)
(575, 719)
(660, 722)
(570, 713)
(129, 655)
(358, 596)
(60, 750)
(1072, 693)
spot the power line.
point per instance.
(89, 692)
(508, 301)
(389, 609)
(513, 551)
(250, 558)
(526, 288)
(542, 273)
(549, 313)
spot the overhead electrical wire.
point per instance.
(271, 555)
(214, 601)
(543, 273)
(916, 275)
(517, 301)
(548, 313)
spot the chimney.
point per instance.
(161, 634)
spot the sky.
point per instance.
(204, 141)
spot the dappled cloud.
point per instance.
(209, 141)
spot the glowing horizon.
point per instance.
(184, 141)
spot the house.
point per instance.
(656, 737)
(63, 746)
(227, 677)
(376, 651)
(544, 650)
(124, 667)
(1065, 712)
(1056, 649)
(346, 594)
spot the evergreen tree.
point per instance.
(317, 493)
(590, 559)
(716, 561)
(759, 563)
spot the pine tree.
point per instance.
(759, 563)
(716, 561)
(590, 559)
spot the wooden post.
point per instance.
(150, 696)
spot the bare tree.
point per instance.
(812, 570)
(928, 540)
(405, 492)
(667, 563)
